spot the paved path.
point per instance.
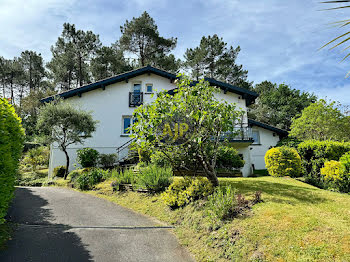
(56, 224)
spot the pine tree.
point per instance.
(109, 61)
(71, 56)
(212, 58)
(140, 36)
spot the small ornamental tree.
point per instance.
(61, 123)
(187, 127)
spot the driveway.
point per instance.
(56, 224)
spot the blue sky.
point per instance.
(279, 38)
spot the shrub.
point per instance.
(283, 161)
(331, 171)
(59, 171)
(183, 191)
(11, 144)
(159, 159)
(315, 153)
(122, 177)
(335, 176)
(345, 163)
(228, 158)
(87, 180)
(87, 157)
(108, 160)
(35, 157)
(82, 182)
(74, 175)
(222, 203)
(154, 178)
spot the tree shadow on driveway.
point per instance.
(35, 238)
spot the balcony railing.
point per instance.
(135, 99)
(239, 134)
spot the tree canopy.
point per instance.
(140, 37)
(321, 121)
(214, 59)
(187, 127)
(71, 55)
(278, 104)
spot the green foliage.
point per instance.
(75, 174)
(321, 121)
(32, 178)
(87, 157)
(214, 59)
(335, 176)
(222, 203)
(108, 62)
(154, 178)
(277, 105)
(108, 160)
(206, 119)
(126, 176)
(38, 156)
(60, 122)
(289, 142)
(159, 159)
(11, 144)
(59, 171)
(87, 180)
(345, 162)
(283, 161)
(183, 191)
(140, 36)
(315, 153)
(228, 158)
(71, 56)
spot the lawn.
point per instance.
(296, 222)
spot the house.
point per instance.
(113, 100)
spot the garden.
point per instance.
(298, 209)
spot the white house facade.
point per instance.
(113, 100)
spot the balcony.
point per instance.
(135, 99)
(241, 134)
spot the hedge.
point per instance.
(11, 145)
(315, 153)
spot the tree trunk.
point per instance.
(80, 72)
(212, 177)
(67, 163)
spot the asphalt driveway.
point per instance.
(56, 224)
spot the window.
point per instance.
(137, 88)
(126, 125)
(256, 137)
(149, 88)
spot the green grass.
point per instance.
(296, 222)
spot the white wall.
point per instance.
(267, 140)
(108, 106)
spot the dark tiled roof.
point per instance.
(248, 95)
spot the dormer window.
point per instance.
(149, 88)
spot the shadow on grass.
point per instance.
(279, 192)
(35, 238)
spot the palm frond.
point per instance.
(343, 23)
